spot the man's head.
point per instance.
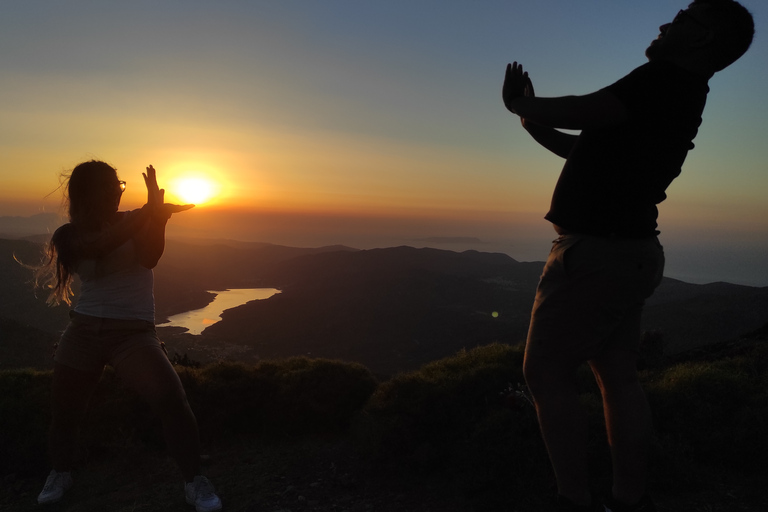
(707, 37)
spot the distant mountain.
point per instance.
(449, 240)
(690, 315)
(28, 327)
(19, 227)
(397, 308)
(18, 299)
(189, 268)
(391, 309)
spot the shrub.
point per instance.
(296, 396)
(291, 396)
(452, 417)
(713, 413)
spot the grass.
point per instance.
(449, 436)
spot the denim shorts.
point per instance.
(591, 294)
(88, 343)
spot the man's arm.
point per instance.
(594, 110)
(556, 141)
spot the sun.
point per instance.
(194, 190)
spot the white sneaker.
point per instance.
(201, 494)
(55, 486)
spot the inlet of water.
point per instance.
(197, 320)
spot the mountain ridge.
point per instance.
(392, 309)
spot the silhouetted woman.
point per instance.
(112, 322)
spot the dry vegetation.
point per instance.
(317, 435)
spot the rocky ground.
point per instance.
(311, 476)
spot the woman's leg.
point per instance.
(148, 371)
(70, 393)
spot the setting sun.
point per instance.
(194, 190)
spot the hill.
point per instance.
(19, 227)
(18, 301)
(692, 315)
(29, 328)
(391, 309)
(395, 309)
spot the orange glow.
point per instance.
(194, 190)
(201, 185)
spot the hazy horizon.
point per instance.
(368, 124)
(737, 260)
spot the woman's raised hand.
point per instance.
(156, 197)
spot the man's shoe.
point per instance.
(644, 505)
(201, 494)
(55, 486)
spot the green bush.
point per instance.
(712, 413)
(291, 396)
(451, 420)
(432, 406)
(297, 396)
(453, 417)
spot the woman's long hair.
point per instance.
(91, 200)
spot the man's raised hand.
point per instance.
(515, 84)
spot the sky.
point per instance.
(364, 123)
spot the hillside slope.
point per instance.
(397, 308)
(392, 309)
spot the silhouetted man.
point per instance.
(607, 260)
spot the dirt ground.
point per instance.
(308, 476)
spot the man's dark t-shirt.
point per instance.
(615, 176)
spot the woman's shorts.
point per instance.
(88, 342)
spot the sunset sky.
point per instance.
(365, 123)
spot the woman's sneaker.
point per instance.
(201, 494)
(55, 486)
(644, 505)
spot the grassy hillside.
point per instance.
(313, 434)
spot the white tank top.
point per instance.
(116, 286)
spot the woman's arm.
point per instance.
(94, 245)
(150, 241)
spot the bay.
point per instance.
(197, 320)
